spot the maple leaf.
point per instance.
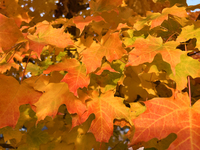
(111, 48)
(189, 32)
(105, 66)
(115, 17)
(129, 37)
(9, 133)
(132, 86)
(187, 67)
(76, 76)
(82, 22)
(80, 137)
(55, 95)
(38, 83)
(106, 108)
(92, 57)
(170, 115)
(146, 49)
(156, 19)
(9, 32)
(15, 11)
(119, 65)
(36, 47)
(32, 68)
(13, 95)
(106, 81)
(161, 144)
(46, 34)
(102, 5)
(22, 17)
(7, 66)
(34, 138)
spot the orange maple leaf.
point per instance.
(170, 115)
(156, 19)
(9, 32)
(106, 108)
(55, 95)
(145, 51)
(46, 34)
(76, 76)
(82, 22)
(110, 47)
(37, 47)
(12, 96)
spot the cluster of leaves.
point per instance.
(68, 83)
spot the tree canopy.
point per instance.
(99, 74)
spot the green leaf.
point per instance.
(34, 138)
(33, 69)
(162, 144)
(60, 56)
(187, 67)
(189, 32)
(131, 38)
(107, 80)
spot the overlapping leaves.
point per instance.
(100, 74)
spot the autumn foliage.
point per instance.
(70, 82)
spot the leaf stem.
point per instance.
(189, 88)
(98, 41)
(18, 46)
(11, 57)
(6, 54)
(122, 60)
(171, 36)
